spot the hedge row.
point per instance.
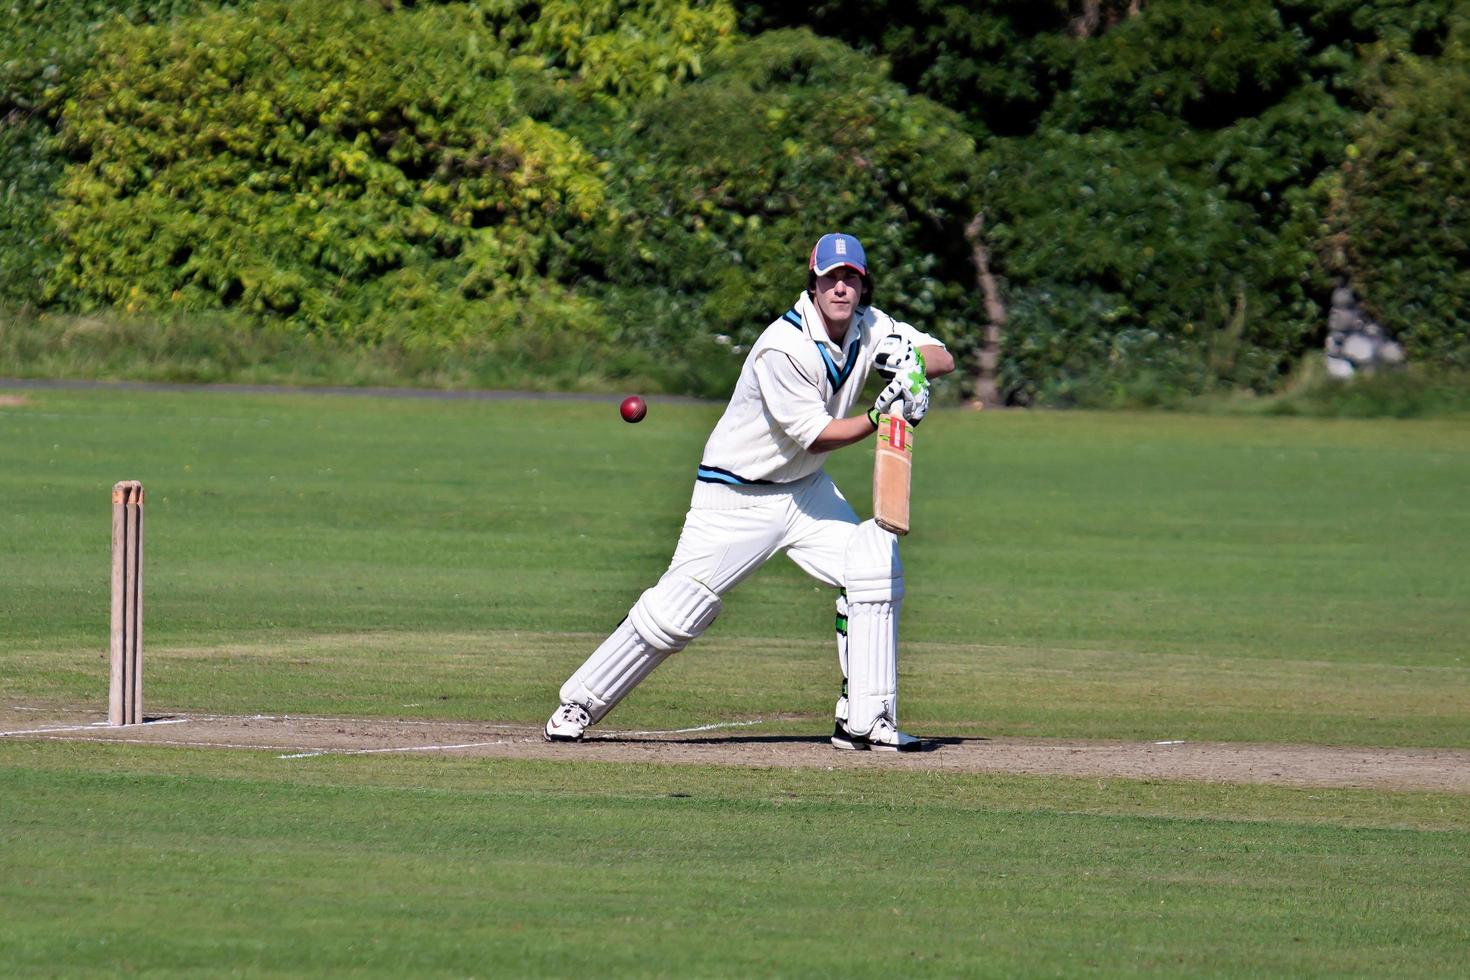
(1170, 189)
(1161, 171)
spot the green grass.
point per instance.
(236, 348)
(1070, 574)
(1412, 391)
(161, 861)
(1085, 574)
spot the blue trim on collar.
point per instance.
(833, 374)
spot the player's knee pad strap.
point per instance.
(874, 572)
(673, 612)
(841, 628)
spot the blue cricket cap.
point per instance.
(832, 251)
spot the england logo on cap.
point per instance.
(835, 250)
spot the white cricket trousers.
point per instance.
(730, 532)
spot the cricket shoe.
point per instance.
(883, 738)
(567, 723)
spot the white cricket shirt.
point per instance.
(794, 382)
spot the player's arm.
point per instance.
(791, 397)
(938, 361)
(843, 432)
(936, 357)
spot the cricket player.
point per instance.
(760, 490)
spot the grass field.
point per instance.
(1113, 576)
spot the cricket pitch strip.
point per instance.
(742, 743)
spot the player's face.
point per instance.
(838, 293)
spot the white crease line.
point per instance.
(366, 721)
(59, 728)
(406, 748)
(89, 726)
(169, 741)
(305, 751)
(688, 731)
(1175, 742)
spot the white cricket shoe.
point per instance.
(883, 738)
(567, 723)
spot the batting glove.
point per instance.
(896, 355)
(915, 393)
(892, 392)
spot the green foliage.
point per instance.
(626, 50)
(28, 172)
(1206, 63)
(1263, 159)
(282, 161)
(1345, 38)
(47, 44)
(1130, 283)
(637, 174)
(1199, 133)
(1401, 206)
(44, 48)
(1418, 25)
(998, 63)
(729, 180)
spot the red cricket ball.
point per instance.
(633, 409)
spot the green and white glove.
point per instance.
(911, 388)
(896, 355)
(915, 392)
(883, 404)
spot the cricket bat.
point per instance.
(892, 467)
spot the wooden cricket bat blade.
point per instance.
(892, 471)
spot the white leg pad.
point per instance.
(661, 623)
(674, 611)
(874, 594)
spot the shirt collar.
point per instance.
(816, 327)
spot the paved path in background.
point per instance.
(426, 393)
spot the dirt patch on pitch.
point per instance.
(294, 737)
